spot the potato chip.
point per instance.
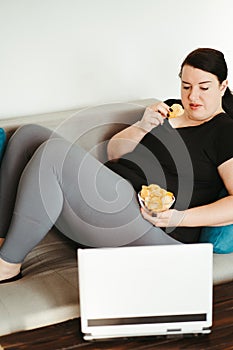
(177, 110)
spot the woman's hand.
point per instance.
(153, 116)
(168, 218)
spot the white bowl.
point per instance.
(149, 211)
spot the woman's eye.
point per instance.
(204, 88)
(186, 87)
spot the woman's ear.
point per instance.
(224, 86)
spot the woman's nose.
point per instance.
(193, 96)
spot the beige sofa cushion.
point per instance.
(48, 291)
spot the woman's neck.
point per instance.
(186, 120)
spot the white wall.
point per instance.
(62, 54)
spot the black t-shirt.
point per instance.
(183, 161)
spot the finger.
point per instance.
(164, 214)
(156, 118)
(161, 105)
(148, 217)
(159, 117)
(145, 214)
(163, 219)
(164, 112)
(162, 108)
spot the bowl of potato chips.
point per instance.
(155, 199)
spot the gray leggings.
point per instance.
(46, 181)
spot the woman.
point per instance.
(207, 133)
(49, 181)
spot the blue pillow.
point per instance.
(2, 142)
(220, 236)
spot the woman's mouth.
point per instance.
(194, 106)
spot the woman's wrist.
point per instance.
(184, 218)
(194, 217)
(143, 127)
(139, 125)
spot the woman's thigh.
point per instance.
(100, 207)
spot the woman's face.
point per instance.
(201, 93)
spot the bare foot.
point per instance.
(2, 241)
(8, 270)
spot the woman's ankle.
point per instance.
(8, 270)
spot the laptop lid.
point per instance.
(146, 290)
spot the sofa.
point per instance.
(48, 292)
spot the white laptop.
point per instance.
(146, 290)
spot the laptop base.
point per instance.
(167, 334)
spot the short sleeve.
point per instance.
(224, 143)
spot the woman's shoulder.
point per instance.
(220, 131)
(220, 127)
(223, 120)
(221, 136)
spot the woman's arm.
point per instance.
(218, 213)
(126, 140)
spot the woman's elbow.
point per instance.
(111, 153)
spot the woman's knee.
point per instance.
(31, 131)
(28, 138)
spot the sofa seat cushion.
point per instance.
(223, 268)
(47, 293)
